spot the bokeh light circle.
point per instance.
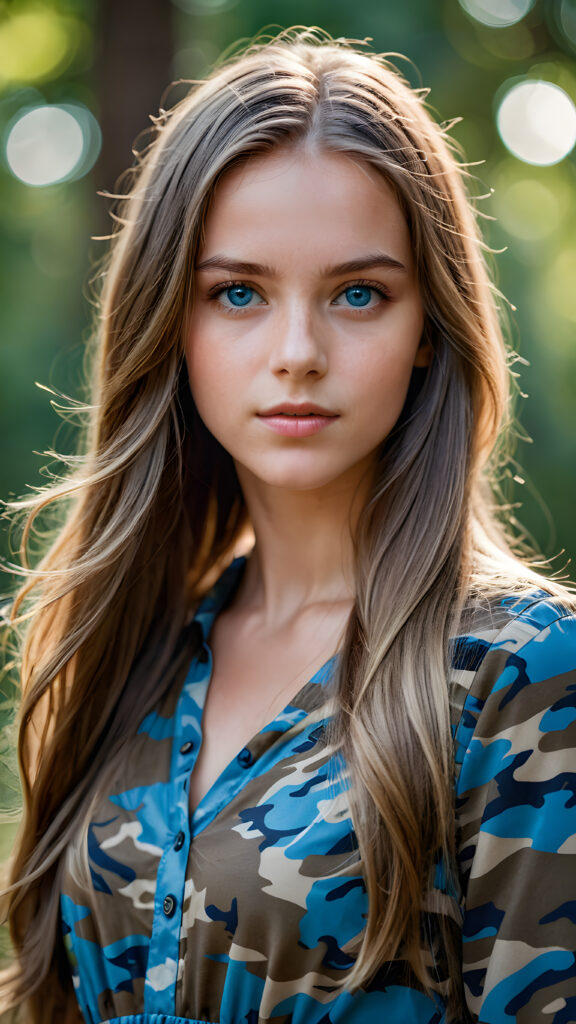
(50, 144)
(34, 43)
(497, 13)
(537, 122)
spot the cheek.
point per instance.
(215, 382)
(385, 368)
(201, 377)
(381, 389)
(214, 352)
(202, 358)
(385, 395)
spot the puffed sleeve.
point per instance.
(516, 820)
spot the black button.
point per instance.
(204, 656)
(169, 905)
(187, 747)
(179, 841)
(245, 758)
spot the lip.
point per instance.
(297, 409)
(297, 420)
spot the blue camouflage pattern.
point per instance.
(251, 909)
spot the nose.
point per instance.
(298, 348)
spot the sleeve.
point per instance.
(516, 819)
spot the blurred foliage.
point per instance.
(47, 53)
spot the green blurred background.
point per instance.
(109, 64)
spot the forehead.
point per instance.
(307, 201)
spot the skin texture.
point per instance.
(300, 338)
(300, 212)
(297, 338)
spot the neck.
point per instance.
(304, 553)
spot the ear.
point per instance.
(424, 353)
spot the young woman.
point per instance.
(297, 726)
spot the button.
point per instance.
(179, 841)
(204, 656)
(187, 747)
(245, 758)
(169, 905)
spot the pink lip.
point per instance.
(297, 426)
(297, 409)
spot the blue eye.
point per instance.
(239, 294)
(233, 297)
(358, 294)
(362, 295)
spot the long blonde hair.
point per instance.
(153, 505)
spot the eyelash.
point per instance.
(216, 291)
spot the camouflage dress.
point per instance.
(246, 912)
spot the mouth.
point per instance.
(297, 421)
(304, 410)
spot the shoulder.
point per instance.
(515, 739)
(515, 757)
(515, 729)
(516, 657)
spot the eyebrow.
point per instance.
(377, 259)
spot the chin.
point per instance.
(294, 477)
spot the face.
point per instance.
(307, 318)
